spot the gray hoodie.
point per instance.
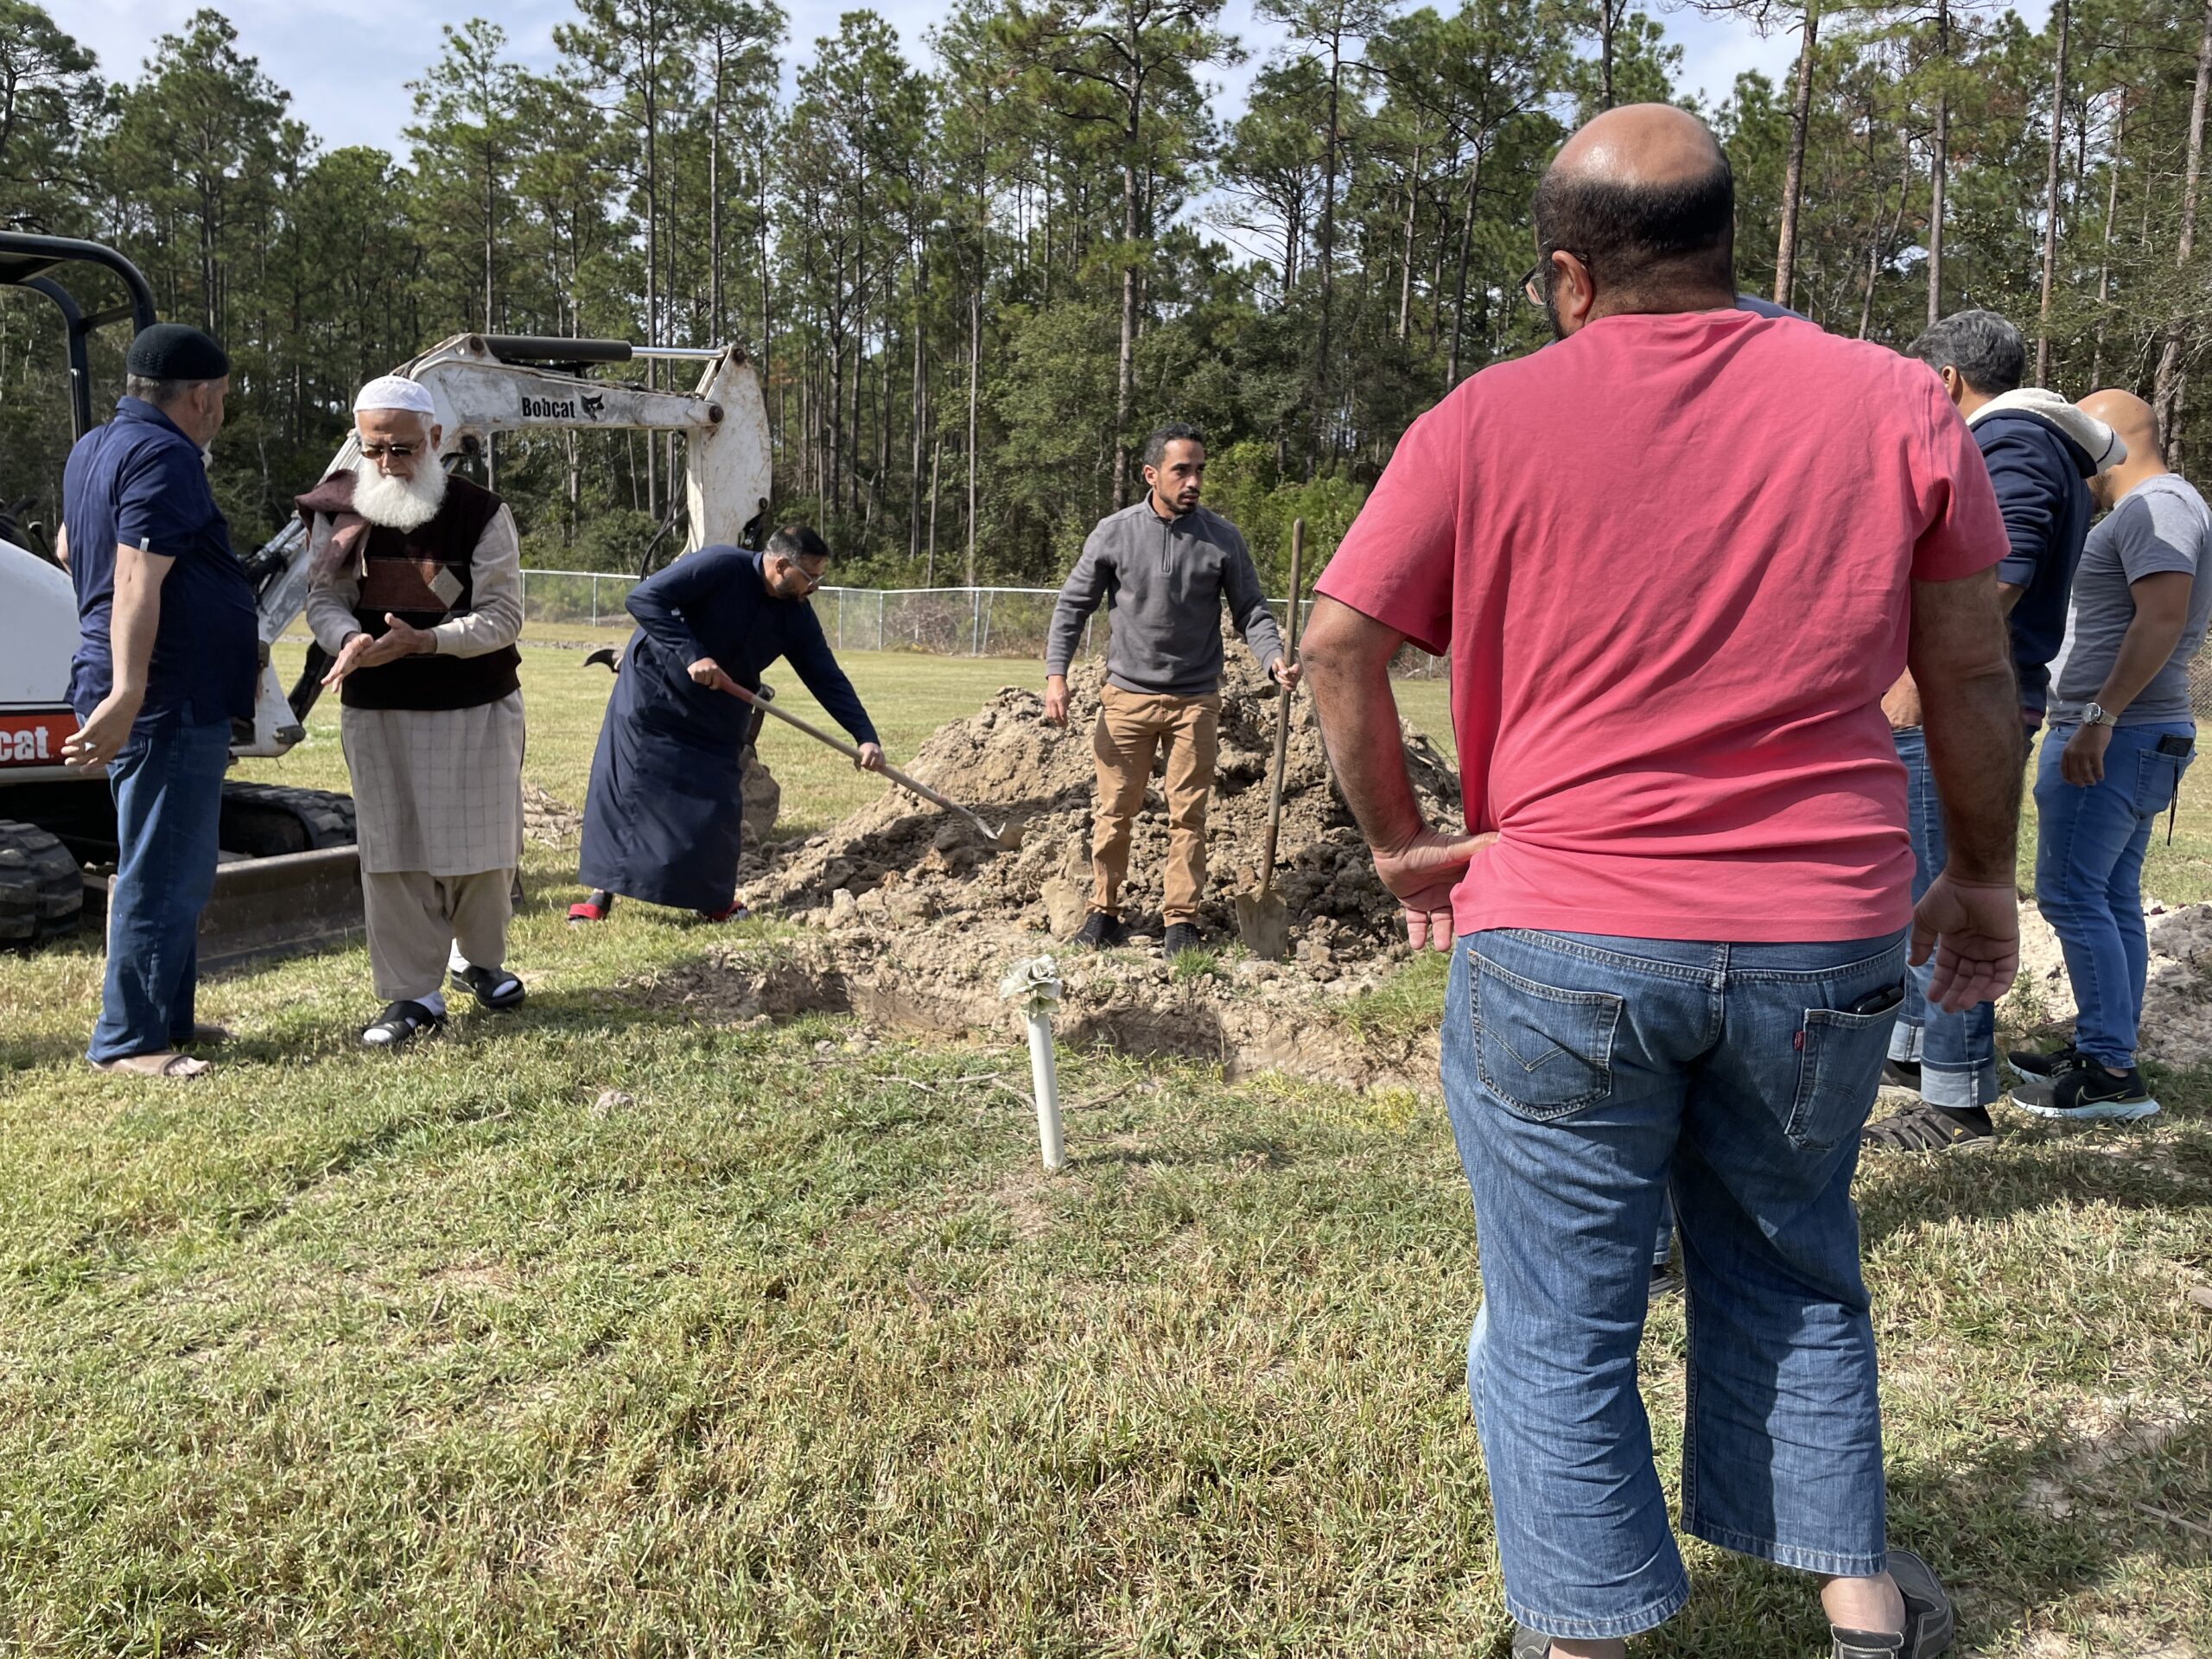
(1163, 581)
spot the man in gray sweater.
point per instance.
(1163, 567)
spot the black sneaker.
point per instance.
(2029, 1066)
(2089, 1093)
(1929, 1623)
(1100, 931)
(1927, 1128)
(1901, 1074)
(1181, 937)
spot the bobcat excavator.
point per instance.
(288, 879)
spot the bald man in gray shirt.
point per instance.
(2122, 732)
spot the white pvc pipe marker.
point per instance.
(1035, 985)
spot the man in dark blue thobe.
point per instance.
(664, 818)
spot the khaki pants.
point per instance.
(1130, 726)
(414, 920)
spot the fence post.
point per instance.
(594, 601)
(879, 619)
(990, 601)
(975, 623)
(841, 620)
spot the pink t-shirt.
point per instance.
(1670, 558)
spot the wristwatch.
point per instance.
(2095, 714)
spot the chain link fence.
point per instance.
(938, 621)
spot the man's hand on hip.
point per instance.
(1973, 930)
(1056, 699)
(1421, 873)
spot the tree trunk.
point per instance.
(1328, 252)
(1405, 281)
(1466, 234)
(1125, 375)
(975, 371)
(936, 454)
(1939, 165)
(2050, 191)
(2111, 214)
(1608, 21)
(1793, 183)
(2167, 396)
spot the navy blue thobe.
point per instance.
(663, 822)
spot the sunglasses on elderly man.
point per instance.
(397, 451)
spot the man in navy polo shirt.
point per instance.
(167, 658)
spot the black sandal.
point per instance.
(1923, 1128)
(401, 1023)
(493, 988)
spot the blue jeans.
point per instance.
(1589, 1079)
(2089, 849)
(168, 801)
(1956, 1052)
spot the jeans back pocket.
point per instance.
(1838, 1070)
(1542, 1050)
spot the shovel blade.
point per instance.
(1263, 925)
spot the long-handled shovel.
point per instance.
(1007, 838)
(1260, 917)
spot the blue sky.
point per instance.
(348, 79)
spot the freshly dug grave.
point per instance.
(904, 862)
(2177, 1027)
(1249, 1018)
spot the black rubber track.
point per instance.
(41, 889)
(262, 820)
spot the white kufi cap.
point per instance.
(395, 391)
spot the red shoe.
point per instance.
(733, 911)
(593, 909)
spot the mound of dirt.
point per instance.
(2177, 1027)
(902, 860)
(547, 819)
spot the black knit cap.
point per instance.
(170, 351)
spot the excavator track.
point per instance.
(41, 889)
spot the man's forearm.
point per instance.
(1960, 658)
(1347, 661)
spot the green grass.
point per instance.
(599, 1329)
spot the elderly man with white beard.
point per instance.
(416, 592)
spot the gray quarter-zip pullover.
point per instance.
(1163, 580)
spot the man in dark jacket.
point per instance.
(1163, 567)
(2041, 452)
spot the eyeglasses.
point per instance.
(1532, 285)
(397, 451)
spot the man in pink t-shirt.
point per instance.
(1676, 559)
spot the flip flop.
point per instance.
(165, 1065)
(493, 988)
(400, 1023)
(593, 909)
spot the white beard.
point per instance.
(400, 503)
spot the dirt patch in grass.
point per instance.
(2178, 991)
(901, 860)
(1260, 1017)
(547, 819)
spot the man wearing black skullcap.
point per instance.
(166, 659)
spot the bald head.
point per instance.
(1649, 145)
(2131, 418)
(1643, 200)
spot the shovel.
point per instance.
(1259, 919)
(1006, 839)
